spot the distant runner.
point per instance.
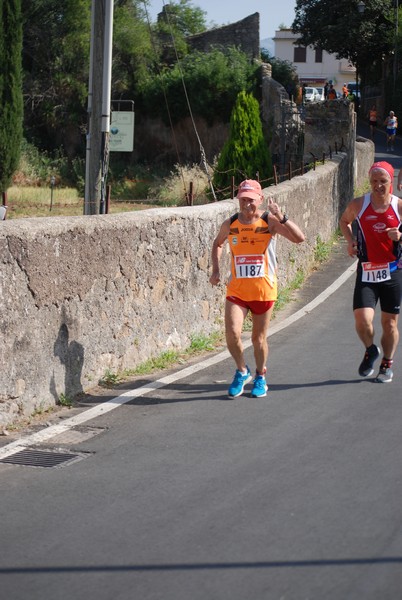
(391, 124)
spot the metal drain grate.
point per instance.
(40, 458)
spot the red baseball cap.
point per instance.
(250, 189)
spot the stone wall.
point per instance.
(364, 160)
(81, 295)
(156, 143)
(244, 34)
(327, 126)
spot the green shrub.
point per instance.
(211, 79)
(245, 153)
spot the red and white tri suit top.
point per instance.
(373, 243)
(253, 260)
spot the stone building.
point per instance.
(314, 66)
(244, 34)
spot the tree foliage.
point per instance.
(56, 47)
(246, 152)
(133, 49)
(184, 18)
(340, 29)
(11, 107)
(55, 62)
(177, 21)
(211, 83)
(147, 68)
(367, 39)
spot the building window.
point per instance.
(300, 54)
(318, 55)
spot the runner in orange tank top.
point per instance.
(251, 234)
(372, 115)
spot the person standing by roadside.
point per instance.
(372, 117)
(331, 92)
(252, 235)
(391, 124)
(378, 217)
(304, 94)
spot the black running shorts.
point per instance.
(389, 293)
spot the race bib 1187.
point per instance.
(249, 266)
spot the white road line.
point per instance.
(102, 409)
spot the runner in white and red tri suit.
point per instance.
(377, 245)
(391, 124)
(251, 234)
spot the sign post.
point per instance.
(122, 131)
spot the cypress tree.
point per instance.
(11, 105)
(246, 152)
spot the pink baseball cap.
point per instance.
(249, 189)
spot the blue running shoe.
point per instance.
(260, 387)
(238, 383)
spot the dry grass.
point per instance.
(172, 191)
(25, 199)
(40, 202)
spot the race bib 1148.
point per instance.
(375, 273)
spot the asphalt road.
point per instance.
(180, 493)
(394, 158)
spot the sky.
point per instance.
(224, 12)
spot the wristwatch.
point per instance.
(284, 219)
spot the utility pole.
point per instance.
(99, 99)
